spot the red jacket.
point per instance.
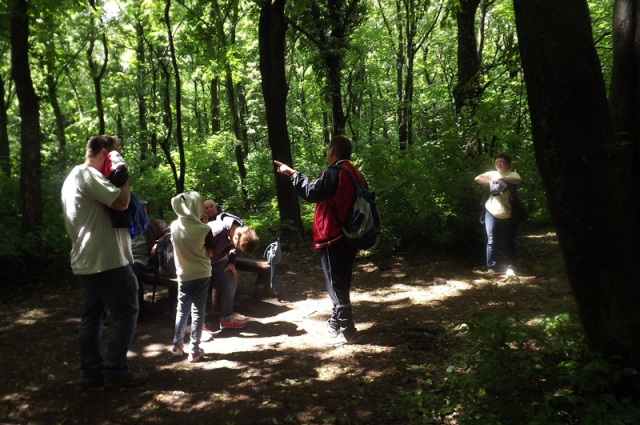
(333, 193)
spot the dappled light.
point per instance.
(278, 367)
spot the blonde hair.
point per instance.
(247, 239)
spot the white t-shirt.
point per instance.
(499, 206)
(96, 246)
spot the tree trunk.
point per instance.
(333, 62)
(624, 96)
(140, 94)
(467, 90)
(53, 96)
(215, 105)
(165, 142)
(218, 20)
(97, 74)
(271, 34)
(574, 146)
(178, 95)
(402, 123)
(243, 110)
(30, 136)
(196, 108)
(235, 125)
(5, 153)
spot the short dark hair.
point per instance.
(341, 146)
(97, 143)
(504, 156)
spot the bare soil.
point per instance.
(277, 370)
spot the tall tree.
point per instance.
(141, 95)
(226, 41)
(329, 24)
(574, 145)
(5, 153)
(467, 89)
(272, 29)
(30, 135)
(97, 72)
(178, 99)
(624, 97)
(411, 36)
(52, 91)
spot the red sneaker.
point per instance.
(231, 324)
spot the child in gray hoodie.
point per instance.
(192, 244)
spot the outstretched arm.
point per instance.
(284, 168)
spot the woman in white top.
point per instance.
(497, 217)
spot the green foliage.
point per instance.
(9, 222)
(510, 372)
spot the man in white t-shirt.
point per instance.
(101, 258)
(497, 218)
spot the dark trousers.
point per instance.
(337, 264)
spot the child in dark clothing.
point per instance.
(229, 235)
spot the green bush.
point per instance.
(509, 372)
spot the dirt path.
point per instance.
(276, 370)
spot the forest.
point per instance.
(205, 94)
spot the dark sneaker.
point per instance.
(92, 383)
(341, 339)
(131, 379)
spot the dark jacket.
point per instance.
(333, 193)
(222, 246)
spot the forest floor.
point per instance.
(277, 369)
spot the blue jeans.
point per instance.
(116, 292)
(500, 227)
(226, 285)
(192, 296)
(337, 264)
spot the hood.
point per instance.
(188, 206)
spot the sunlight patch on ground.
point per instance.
(155, 350)
(31, 317)
(331, 370)
(398, 291)
(222, 364)
(540, 236)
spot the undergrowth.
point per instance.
(507, 371)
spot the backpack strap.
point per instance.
(358, 185)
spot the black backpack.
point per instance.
(165, 266)
(362, 226)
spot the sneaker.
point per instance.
(177, 351)
(341, 339)
(231, 324)
(130, 379)
(194, 357)
(332, 332)
(206, 336)
(491, 272)
(92, 383)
